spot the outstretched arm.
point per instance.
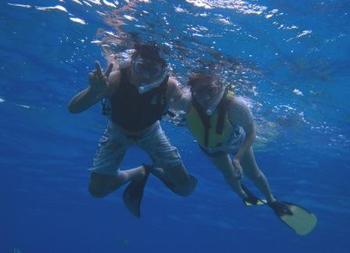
(99, 87)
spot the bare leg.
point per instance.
(252, 170)
(102, 184)
(168, 164)
(224, 164)
(176, 179)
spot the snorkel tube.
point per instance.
(145, 87)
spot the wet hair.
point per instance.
(149, 52)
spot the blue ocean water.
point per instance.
(289, 58)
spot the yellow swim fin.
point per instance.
(296, 217)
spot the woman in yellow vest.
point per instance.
(225, 130)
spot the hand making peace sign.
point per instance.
(98, 80)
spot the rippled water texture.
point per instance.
(289, 59)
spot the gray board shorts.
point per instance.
(115, 141)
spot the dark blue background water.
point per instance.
(294, 67)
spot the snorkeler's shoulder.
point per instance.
(172, 81)
(113, 80)
(238, 105)
(173, 86)
(236, 102)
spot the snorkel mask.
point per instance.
(145, 87)
(211, 109)
(150, 67)
(208, 105)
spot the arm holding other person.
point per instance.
(178, 99)
(240, 114)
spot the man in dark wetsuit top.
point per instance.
(139, 94)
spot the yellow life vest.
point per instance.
(210, 131)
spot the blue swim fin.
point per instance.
(133, 194)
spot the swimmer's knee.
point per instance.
(97, 192)
(101, 185)
(231, 177)
(255, 175)
(186, 188)
(176, 178)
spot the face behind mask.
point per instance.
(211, 103)
(151, 73)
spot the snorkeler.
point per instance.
(135, 97)
(224, 128)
